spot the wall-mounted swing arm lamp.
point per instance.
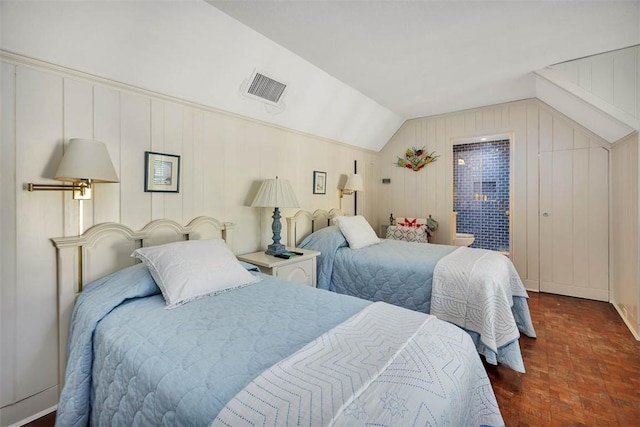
(354, 183)
(84, 163)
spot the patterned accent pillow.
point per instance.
(407, 222)
(408, 234)
(411, 222)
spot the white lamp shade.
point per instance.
(354, 183)
(86, 159)
(275, 193)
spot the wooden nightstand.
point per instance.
(300, 269)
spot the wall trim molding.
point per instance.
(21, 412)
(626, 140)
(481, 107)
(527, 101)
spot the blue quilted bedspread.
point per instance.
(132, 362)
(400, 273)
(393, 271)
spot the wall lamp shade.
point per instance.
(354, 183)
(275, 193)
(84, 163)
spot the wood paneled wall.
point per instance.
(224, 159)
(625, 232)
(532, 127)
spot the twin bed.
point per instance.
(264, 351)
(477, 290)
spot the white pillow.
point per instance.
(357, 231)
(191, 269)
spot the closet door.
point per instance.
(574, 223)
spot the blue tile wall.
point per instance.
(481, 192)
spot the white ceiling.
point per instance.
(422, 58)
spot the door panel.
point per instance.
(546, 208)
(581, 216)
(599, 219)
(574, 223)
(561, 217)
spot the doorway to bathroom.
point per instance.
(481, 192)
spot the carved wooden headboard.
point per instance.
(304, 223)
(106, 248)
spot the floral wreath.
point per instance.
(416, 158)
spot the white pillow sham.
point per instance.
(357, 231)
(192, 269)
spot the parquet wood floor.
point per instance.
(582, 370)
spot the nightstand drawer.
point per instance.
(299, 272)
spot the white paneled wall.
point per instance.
(531, 125)
(38, 120)
(8, 282)
(625, 233)
(224, 158)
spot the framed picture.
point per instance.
(162, 172)
(319, 182)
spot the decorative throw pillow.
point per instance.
(357, 231)
(409, 234)
(406, 222)
(192, 269)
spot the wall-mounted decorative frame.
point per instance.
(319, 182)
(162, 172)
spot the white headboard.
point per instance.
(106, 248)
(304, 223)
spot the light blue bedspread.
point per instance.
(393, 271)
(132, 362)
(385, 366)
(400, 273)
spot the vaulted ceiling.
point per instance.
(355, 70)
(422, 58)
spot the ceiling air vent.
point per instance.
(265, 88)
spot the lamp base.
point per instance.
(275, 249)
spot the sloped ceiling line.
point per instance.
(590, 115)
(426, 58)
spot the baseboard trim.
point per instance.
(626, 321)
(35, 417)
(30, 408)
(531, 285)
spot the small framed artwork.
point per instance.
(319, 182)
(162, 172)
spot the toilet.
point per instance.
(460, 239)
(464, 239)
